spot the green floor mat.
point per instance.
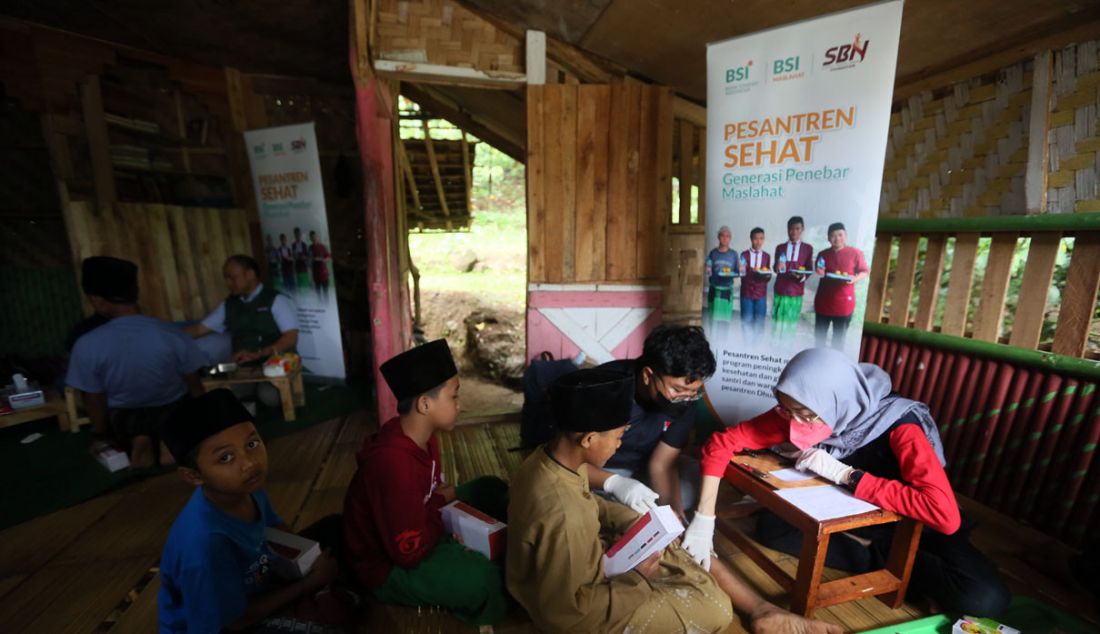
(1025, 614)
(56, 471)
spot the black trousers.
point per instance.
(948, 568)
(126, 423)
(840, 329)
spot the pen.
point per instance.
(753, 470)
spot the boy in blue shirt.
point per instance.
(216, 566)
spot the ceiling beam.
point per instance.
(448, 75)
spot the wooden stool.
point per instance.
(291, 391)
(806, 589)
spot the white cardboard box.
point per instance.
(113, 459)
(295, 554)
(476, 530)
(651, 533)
(975, 625)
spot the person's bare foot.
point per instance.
(141, 453)
(166, 456)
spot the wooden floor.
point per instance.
(92, 567)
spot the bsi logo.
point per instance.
(258, 149)
(785, 65)
(847, 55)
(741, 73)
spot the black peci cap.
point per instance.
(419, 369)
(596, 399)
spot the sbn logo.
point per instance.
(740, 73)
(786, 65)
(854, 52)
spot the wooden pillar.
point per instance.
(99, 148)
(239, 94)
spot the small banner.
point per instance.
(286, 174)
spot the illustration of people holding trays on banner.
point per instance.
(841, 267)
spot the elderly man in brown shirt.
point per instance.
(558, 530)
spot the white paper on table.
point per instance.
(825, 502)
(791, 475)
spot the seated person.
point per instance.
(555, 552)
(261, 321)
(133, 370)
(215, 570)
(847, 426)
(668, 380)
(393, 530)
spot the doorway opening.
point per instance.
(467, 221)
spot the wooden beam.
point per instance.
(1027, 325)
(1079, 297)
(467, 177)
(687, 151)
(876, 280)
(238, 93)
(430, 99)
(448, 75)
(991, 303)
(536, 57)
(931, 273)
(904, 275)
(99, 147)
(406, 168)
(957, 304)
(689, 111)
(1038, 150)
(435, 169)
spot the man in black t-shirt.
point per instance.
(668, 380)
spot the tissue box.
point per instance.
(975, 625)
(651, 533)
(296, 554)
(476, 530)
(25, 400)
(113, 459)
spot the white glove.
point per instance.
(820, 462)
(631, 493)
(698, 539)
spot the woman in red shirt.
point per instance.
(840, 420)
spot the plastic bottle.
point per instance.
(782, 262)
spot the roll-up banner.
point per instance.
(286, 174)
(797, 123)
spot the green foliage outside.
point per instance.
(497, 238)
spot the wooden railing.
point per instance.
(953, 276)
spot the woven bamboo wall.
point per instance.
(963, 151)
(445, 33)
(179, 251)
(1072, 135)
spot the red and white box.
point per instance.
(650, 534)
(296, 554)
(476, 530)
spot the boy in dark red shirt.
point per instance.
(756, 266)
(792, 256)
(841, 267)
(320, 254)
(393, 530)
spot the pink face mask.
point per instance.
(804, 434)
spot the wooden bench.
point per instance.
(806, 589)
(291, 391)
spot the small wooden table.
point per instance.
(806, 589)
(291, 391)
(54, 406)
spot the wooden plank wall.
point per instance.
(890, 297)
(179, 250)
(685, 248)
(598, 182)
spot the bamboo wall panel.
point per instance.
(598, 182)
(445, 33)
(1072, 137)
(1018, 439)
(179, 251)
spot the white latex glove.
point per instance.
(631, 493)
(820, 462)
(698, 539)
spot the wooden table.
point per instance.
(291, 391)
(54, 406)
(806, 589)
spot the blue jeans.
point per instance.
(753, 313)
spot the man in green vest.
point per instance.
(261, 322)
